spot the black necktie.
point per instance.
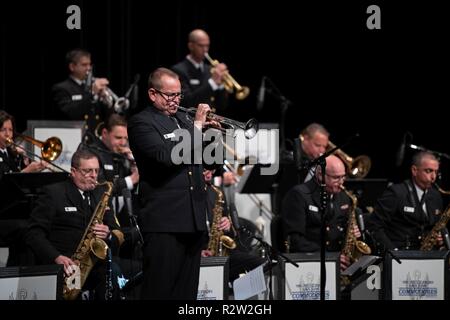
(422, 202)
(86, 202)
(176, 121)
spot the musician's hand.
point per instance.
(439, 240)
(345, 262)
(201, 114)
(224, 224)
(68, 264)
(206, 253)
(218, 73)
(35, 166)
(229, 178)
(101, 231)
(356, 231)
(99, 86)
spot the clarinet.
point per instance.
(109, 284)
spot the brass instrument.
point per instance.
(429, 241)
(357, 167)
(230, 83)
(353, 248)
(50, 148)
(90, 248)
(112, 100)
(250, 127)
(219, 244)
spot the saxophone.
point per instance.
(429, 241)
(353, 248)
(90, 248)
(219, 244)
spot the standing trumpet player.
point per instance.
(199, 82)
(80, 97)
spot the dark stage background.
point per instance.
(380, 83)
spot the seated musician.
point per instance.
(13, 159)
(62, 215)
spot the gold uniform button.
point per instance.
(86, 127)
(192, 188)
(328, 229)
(190, 173)
(212, 99)
(86, 117)
(328, 243)
(97, 117)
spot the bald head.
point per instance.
(198, 45)
(334, 174)
(197, 35)
(335, 165)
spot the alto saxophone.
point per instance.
(429, 241)
(353, 248)
(90, 248)
(219, 244)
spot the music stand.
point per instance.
(253, 182)
(21, 189)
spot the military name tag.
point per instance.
(169, 136)
(194, 82)
(77, 97)
(108, 167)
(408, 209)
(313, 208)
(70, 209)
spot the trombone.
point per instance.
(250, 127)
(230, 83)
(50, 148)
(357, 167)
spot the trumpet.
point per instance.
(230, 83)
(250, 127)
(112, 100)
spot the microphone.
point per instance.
(446, 238)
(137, 77)
(297, 153)
(360, 221)
(261, 94)
(401, 153)
(127, 198)
(88, 82)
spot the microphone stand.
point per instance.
(272, 254)
(437, 153)
(321, 161)
(284, 105)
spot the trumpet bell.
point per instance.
(251, 128)
(242, 93)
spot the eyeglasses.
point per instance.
(336, 177)
(170, 96)
(86, 171)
